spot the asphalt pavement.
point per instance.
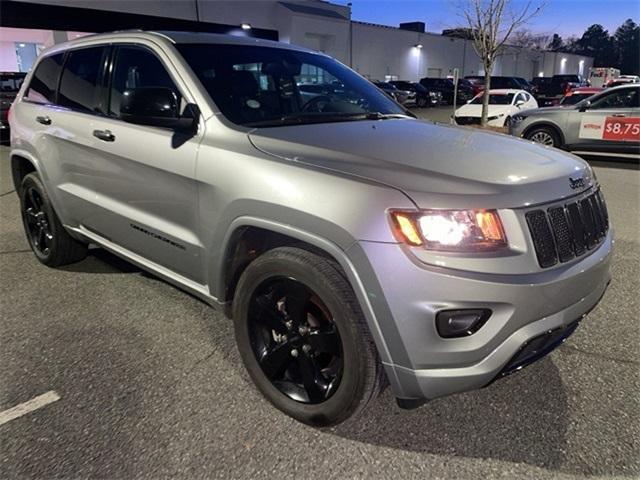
(151, 385)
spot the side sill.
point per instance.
(194, 288)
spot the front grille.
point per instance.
(468, 120)
(564, 232)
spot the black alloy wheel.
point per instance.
(49, 240)
(303, 337)
(295, 340)
(37, 222)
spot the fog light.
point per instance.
(461, 323)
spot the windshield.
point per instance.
(575, 98)
(11, 83)
(264, 86)
(495, 99)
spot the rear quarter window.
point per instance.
(42, 87)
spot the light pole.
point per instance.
(350, 37)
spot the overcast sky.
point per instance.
(566, 17)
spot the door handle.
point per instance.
(104, 135)
(43, 120)
(619, 115)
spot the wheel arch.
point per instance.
(237, 254)
(549, 125)
(22, 164)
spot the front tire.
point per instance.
(48, 239)
(303, 338)
(545, 136)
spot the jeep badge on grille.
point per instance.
(576, 182)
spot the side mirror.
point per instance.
(519, 103)
(586, 105)
(156, 107)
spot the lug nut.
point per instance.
(306, 348)
(288, 324)
(294, 353)
(303, 330)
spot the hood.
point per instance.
(437, 166)
(473, 110)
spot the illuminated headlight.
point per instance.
(450, 230)
(435, 94)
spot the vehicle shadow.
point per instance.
(102, 261)
(520, 419)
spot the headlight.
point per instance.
(517, 119)
(450, 230)
(435, 94)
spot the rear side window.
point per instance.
(79, 87)
(44, 81)
(137, 67)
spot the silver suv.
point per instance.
(351, 244)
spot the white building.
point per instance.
(376, 51)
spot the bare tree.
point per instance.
(491, 23)
(526, 39)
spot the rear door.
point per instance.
(58, 134)
(143, 177)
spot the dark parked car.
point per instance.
(400, 96)
(419, 95)
(550, 92)
(445, 87)
(539, 85)
(499, 83)
(9, 85)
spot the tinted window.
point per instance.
(574, 98)
(79, 89)
(624, 98)
(137, 67)
(42, 88)
(263, 86)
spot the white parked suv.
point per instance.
(352, 244)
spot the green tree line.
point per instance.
(620, 50)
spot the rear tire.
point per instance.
(48, 239)
(284, 301)
(545, 136)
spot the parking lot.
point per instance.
(150, 384)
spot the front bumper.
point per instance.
(422, 365)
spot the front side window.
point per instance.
(625, 98)
(263, 86)
(43, 84)
(79, 86)
(136, 67)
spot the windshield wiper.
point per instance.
(300, 118)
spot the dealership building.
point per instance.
(381, 52)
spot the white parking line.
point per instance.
(27, 407)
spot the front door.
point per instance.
(143, 178)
